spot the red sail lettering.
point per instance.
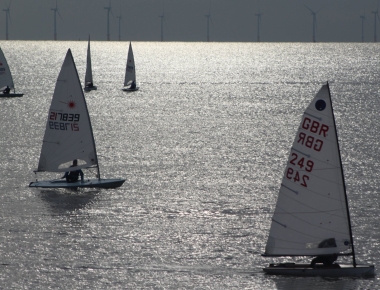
(305, 123)
(324, 129)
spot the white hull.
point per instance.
(87, 89)
(92, 183)
(11, 95)
(304, 270)
(130, 90)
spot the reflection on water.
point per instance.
(61, 201)
(302, 283)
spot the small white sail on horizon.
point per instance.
(130, 72)
(68, 134)
(6, 79)
(311, 217)
(88, 80)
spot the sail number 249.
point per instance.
(304, 164)
(58, 121)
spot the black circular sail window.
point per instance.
(320, 105)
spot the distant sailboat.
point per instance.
(6, 80)
(68, 134)
(312, 215)
(88, 81)
(130, 73)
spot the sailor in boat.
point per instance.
(133, 85)
(89, 85)
(73, 176)
(326, 260)
(6, 90)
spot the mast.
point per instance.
(344, 183)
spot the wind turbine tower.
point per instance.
(363, 19)
(162, 25)
(375, 16)
(314, 21)
(119, 17)
(208, 25)
(7, 14)
(108, 20)
(258, 25)
(55, 19)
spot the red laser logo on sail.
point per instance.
(70, 104)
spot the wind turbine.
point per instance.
(375, 16)
(119, 17)
(108, 20)
(7, 14)
(363, 19)
(314, 21)
(208, 24)
(55, 19)
(162, 25)
(258, 25)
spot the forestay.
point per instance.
(88, 76)
(5, 73)
(68, 133)
(311, 215)
(130, 71)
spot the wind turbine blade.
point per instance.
(59, 15)
(320, 9)
(110, 9)
(211, 22)
(309, 8)
(9, 12)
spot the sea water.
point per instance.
(203, 146)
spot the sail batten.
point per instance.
(311, 217)
(315, 117)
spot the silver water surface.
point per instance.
(202, 144)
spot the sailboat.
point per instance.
(130, 72)
(88, 81)
(312, 216)
(68, 134)
(6, 80)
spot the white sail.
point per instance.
(5, 73)
(130, 71)
(68, 133)
(88, 77)
(311, 215)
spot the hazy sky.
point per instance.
(232, 20)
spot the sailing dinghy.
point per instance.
(130, 73)
(6, 80)
(88, 81)
(312, 217)
(68, 134)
